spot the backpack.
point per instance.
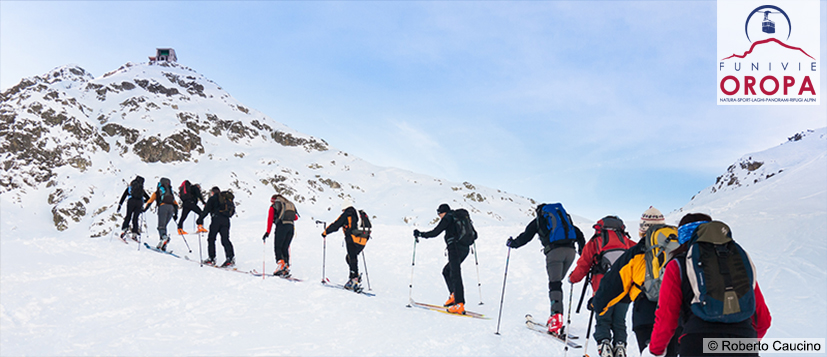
(554, 224)
(660, 240)
(136, 188)
(288, 210)
(721, 274)
(185, 191)
(613, 242)
(164, 192)
(364, 229)
(226, 207)
(466, 234)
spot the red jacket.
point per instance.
(588, 258)
(668, 313)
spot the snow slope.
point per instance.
(64, 293)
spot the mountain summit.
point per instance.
(78, 140)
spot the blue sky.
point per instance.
(608, 107)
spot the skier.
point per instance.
(190, 195)
(134, 206)
(626, 282)
(282, 212)
(676, 296)
(220, 207)
(452, 272)
(348, 221)
(167, 209)
(559, 254)
(608, 243)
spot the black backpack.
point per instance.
(466, 234)
(164, 192)
(136, 188)
(226, 207)
(364, 226)
(185, 191)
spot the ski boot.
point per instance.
(229, 263)
(162, 245)
(620, 349)
(182, 232)
(354, 284)
(210, 261)
(555, 324)
(450, 301)
(123, 235)
(457, 309)
(604, 349)
(283, 270)
(201, 229)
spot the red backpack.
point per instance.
(612, 242)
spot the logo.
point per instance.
(767, 53)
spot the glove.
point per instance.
(589, 304)
(119, 208)
(324, 234)
(265, 236)
(175, 216)
(509, 242)
(417, 233)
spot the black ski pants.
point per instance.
(283, 237)
(186, 208)
(220, 225)
(644, 336)
(452, 272)
(352, 257)
(134, 208)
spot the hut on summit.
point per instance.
(164, 55)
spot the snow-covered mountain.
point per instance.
(71, 143)
(775, 201)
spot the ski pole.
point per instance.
(477, 261)
(502, 297)
(568, 319)
(264, 257)
(185, 242)
(413, 264)
(588, 332)
(324, 250)
(583, 293)
(200, 255)
(365, 262)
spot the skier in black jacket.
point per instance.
(134, 206)
(457, 253)
(219, 223)
(190, 195)
(348, 221)
(559, 257)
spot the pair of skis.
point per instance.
(542, 328)
(444, 310)
(330, 284)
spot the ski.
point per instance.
(160, 251)
(536, 326)
(232, 268)
(290, 278)
(444, 310)
(330, 284)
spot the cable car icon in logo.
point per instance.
(768, 25)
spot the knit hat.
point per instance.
(443, 208)
(651, 217)
(346, 203)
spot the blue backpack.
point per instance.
(721, 275)
(554, 224)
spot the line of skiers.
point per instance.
(219, 206)
(687, 283)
